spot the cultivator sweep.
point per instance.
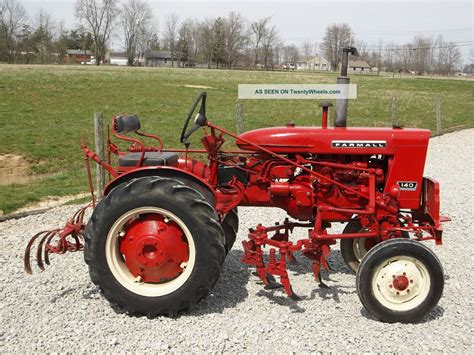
(316, 251)
(56, 241)
(158, 238)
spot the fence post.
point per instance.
(438, 115)
(99, 149)
(240, 117)
(394, 111)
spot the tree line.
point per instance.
(227, 41)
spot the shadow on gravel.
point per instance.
(302, 265)
(338, 264)
(332, 292)
(436, 313)
(230, 290)
(282, 300)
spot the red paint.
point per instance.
(154, 249)
(400, 283)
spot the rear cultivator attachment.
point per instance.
(57, 241)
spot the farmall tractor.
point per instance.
(156, 242)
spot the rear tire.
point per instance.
(154, 200)
(400, 280)
(230, 224)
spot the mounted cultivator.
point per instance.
(57, 241)
(156, 242)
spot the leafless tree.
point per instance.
(99, 17)
(259, 28)
(308, 49)
(422, 47)
(290, 54)
(60, 43)
(448, 56)
(269, 39)
(171, 35)
(43, 36)
(337, 36)
(206, 40)
(235, 37)
(12, 18)
(136, 19)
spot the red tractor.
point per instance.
(156, 242)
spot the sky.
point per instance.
(300, 21)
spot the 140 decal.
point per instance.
(407, 185)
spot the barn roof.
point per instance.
(358, 64)
(78, 52)
(118, 55)
(158, 54)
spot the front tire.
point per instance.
(400, 280)
(154, 246)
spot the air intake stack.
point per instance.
(340, 119)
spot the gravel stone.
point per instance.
(60, 310)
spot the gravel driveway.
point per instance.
(60, 309)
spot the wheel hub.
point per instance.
(401, 281)
(153, 249)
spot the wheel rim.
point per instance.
(401, 283)
(361, 246)
(150, 251)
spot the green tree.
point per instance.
(219, 50)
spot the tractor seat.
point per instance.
(150, 159)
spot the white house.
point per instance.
(313, 63)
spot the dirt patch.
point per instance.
(51, 201)
(198, 87)
(14, 169)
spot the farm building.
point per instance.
(313, 63)
(121, 58)
(118, 58)
(358, 66)
(78, 56)
(158, 59)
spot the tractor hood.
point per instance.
(337, 140)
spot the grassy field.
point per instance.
(44, 110)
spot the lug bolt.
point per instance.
(398, 293)
(408, 290)
(391, 286)
(411, 281)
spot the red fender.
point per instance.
(185, 176)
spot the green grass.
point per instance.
(44, 110)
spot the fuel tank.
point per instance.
(334, 140)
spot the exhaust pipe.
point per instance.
(340, 117)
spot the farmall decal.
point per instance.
(407, 185)
(359, 144)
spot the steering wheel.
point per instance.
(199, 121)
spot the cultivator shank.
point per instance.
(56, 241)
(315, 250)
